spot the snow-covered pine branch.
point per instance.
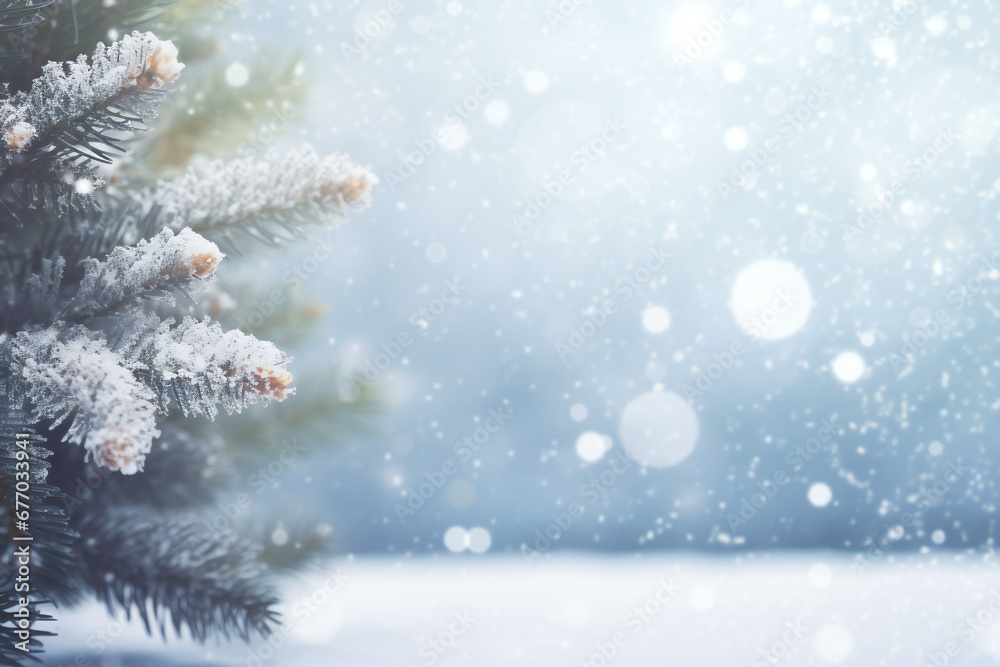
(184, 261)
(260, 197)
(76, 112)
(69, 374)
(199, 365)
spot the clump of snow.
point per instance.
(19, 135)
(162, 66)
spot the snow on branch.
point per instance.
(290, 190)
(70, 375)
(138, 62)
(199, 365)
(185, 261)
(76, 111)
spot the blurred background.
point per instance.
(669, 338)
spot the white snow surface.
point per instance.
(554, 612)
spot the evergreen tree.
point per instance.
(106, 379)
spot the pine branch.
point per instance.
(183, 262)
(9, 655)
(182, 471)
(269, 200)
(138, 559)
(88, 349)
(69, 374)
(85, 22)
(199, 366)
(153, 270)
(51, 561)
(77, 114)
(48, 520)
(76, 236)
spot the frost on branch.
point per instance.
(290, 190)
(69, 90)
(185, 261)
(76, 111)
(200, 365)
(69, 374)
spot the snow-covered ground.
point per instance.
(804, 609)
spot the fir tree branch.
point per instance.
(79, 234)
(9, 655)
(269, 200)
(181, 471)
(69, 374)
(199, 366)
(81, 23)
(184, 261)
(139, 559)
(51, 561)
(76, 114)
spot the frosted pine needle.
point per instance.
(71, 375)
(201, 366)
(64, 91)
(295, 188)
(185, 261)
